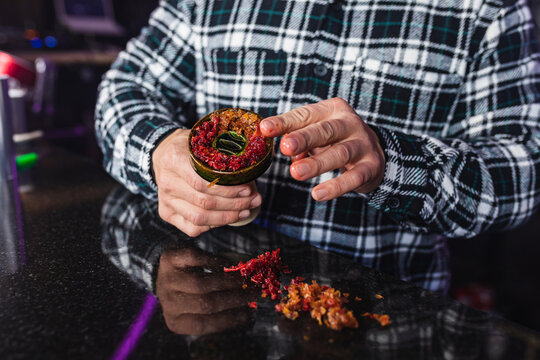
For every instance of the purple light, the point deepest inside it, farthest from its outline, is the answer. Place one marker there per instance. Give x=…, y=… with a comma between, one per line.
x=18, y=211
x=136, y=330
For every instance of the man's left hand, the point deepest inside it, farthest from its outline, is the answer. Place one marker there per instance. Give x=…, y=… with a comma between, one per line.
x=325, y=136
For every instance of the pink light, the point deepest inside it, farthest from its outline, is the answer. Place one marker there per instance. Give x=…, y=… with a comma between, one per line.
x=16, y=68
x=6, y=63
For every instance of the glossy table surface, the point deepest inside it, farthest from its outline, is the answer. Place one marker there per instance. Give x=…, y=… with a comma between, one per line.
x=85, y=277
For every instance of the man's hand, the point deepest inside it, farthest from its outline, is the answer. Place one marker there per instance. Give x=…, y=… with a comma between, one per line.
x=335, y=138
x=196, y=296
x=184, y=197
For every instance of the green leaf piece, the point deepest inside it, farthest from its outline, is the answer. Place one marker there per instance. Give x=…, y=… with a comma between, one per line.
x=230, y=143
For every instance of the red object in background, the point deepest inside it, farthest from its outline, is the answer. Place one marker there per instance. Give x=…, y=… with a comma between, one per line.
x=478, y=296
x=18, y=69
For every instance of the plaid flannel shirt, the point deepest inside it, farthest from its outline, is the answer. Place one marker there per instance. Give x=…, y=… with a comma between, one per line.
x=451, y=88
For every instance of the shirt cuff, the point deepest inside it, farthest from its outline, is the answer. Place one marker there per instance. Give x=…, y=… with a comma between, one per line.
x=401, y=194
x=143, y=139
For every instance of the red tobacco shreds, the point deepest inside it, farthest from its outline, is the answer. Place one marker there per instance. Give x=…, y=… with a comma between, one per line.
x=204, y=135
x=264, y=271
x=324, y=303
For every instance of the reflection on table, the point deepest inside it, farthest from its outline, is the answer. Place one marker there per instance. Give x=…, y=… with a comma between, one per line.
x=207, y=307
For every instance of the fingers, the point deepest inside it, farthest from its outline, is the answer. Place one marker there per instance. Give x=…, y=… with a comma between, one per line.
x=177, y=303
x=301, y=156
x=303, y=116
x=335, y=157
x=211, y=202
x=317, y=135
x=194, y=221
x=203, y=217
x=360, y=178
x=193, y=281
x=178, y=182
x=197, y=325
x=170, y=216
x=245, y=196
x=191, y=257
x=208, y=201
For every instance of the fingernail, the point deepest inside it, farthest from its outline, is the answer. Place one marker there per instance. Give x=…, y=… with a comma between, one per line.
x=290, y=144
x=320, y=194
x=245, y=192
x=267, y=125
x=256, y=202
x=244, y=214
x=301, y=170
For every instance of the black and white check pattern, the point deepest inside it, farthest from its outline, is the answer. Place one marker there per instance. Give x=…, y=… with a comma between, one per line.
x=451, y=88
x=133, y=238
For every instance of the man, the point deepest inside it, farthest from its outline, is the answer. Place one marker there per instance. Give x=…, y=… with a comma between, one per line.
x=450, y=92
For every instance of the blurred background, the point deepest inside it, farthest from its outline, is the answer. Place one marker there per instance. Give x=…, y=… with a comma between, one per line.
x=59, y=49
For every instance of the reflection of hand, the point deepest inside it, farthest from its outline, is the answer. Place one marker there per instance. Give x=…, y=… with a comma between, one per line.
x=196, y=301
x=184, y=197
x=337, y=138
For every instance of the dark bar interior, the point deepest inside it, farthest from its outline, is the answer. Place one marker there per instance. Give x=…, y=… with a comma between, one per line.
x=79, y=252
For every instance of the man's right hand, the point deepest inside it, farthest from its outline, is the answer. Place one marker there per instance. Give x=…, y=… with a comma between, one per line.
x=184, y=198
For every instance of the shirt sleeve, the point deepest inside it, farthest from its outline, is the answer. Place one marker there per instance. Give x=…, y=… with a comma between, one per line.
x=146, y=94
x=133, y=237
x=484, y=174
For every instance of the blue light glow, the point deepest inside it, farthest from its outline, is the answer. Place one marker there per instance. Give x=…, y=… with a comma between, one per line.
x=36, y=43
x=51, y=42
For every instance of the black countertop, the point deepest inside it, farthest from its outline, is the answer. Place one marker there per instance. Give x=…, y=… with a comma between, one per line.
x=79, y=288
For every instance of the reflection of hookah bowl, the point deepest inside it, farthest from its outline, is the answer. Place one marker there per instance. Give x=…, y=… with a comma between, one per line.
x=231, y=143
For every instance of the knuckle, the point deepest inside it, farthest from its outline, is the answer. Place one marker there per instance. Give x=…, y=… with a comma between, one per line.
x=302, y=113
x=192, y=231
x=198, y=218
x=171, y=324
x=345, y=151
x=305, y=138
x=165, y=184
x=318, y=163
x=205, y=306
x=205, y=202
x=197, y=327
x=328, y=130
x=336, y=187
x=195, y=182
x=357, y=178
x=379, y=163
x=338, y=102
x=240, y=204
x=164, y=212
x=230, y=217
x=195, y=285
x=188, y=255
